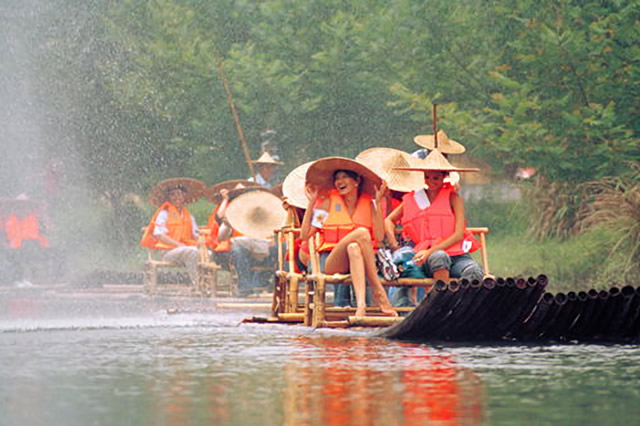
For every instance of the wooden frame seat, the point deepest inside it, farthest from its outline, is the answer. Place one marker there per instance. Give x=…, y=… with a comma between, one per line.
x=317, y=313
x=287, y=282
x=206, y=284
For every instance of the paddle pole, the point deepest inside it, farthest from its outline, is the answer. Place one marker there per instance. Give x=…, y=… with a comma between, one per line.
x=435, y=127
x=243, y=142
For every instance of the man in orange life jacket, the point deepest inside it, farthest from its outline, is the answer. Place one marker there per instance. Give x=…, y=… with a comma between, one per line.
x=172, y=228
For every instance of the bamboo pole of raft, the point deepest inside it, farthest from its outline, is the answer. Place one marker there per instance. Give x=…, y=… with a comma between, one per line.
x=435, y=127
x=243, y=142
x=373, y=321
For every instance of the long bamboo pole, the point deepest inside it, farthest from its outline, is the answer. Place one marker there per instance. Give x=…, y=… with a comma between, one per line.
x=243, y=142
x=435, y=127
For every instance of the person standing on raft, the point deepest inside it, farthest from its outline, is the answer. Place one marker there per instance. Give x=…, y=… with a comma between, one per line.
x=349, y=220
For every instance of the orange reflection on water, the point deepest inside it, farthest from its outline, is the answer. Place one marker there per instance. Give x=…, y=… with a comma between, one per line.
x=363, y=381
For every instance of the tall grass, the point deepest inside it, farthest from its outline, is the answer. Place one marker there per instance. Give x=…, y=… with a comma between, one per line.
x=577, y=263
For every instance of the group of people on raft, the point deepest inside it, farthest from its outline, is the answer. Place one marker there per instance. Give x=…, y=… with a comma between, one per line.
x=394, y=201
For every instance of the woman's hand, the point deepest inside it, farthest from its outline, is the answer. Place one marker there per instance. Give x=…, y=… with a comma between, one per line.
x=422, y=256
x=312, y=193
x=285, y=203
x=380, y=192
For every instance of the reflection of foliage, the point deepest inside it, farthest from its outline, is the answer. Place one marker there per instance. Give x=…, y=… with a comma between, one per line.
x=614, y=204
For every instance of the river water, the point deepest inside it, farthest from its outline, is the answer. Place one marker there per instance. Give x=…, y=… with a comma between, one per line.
x=128, y=359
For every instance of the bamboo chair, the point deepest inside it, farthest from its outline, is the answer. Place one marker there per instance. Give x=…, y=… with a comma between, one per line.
x=287, y=284
x=317, y=313
x=206, y=284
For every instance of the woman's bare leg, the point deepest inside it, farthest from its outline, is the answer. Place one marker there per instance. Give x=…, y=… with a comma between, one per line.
x=356, y=269
x=336, y=264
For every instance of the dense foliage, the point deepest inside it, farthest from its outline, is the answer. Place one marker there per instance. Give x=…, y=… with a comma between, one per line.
x=135, y=94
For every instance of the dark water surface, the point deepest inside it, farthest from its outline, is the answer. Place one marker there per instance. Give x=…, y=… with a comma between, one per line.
x=123, y=359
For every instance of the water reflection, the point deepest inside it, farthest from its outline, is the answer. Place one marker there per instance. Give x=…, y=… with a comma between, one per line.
x=337, y=381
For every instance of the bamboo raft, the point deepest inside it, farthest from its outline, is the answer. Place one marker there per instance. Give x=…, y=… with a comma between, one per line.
x=521, y=311
x=502, y=310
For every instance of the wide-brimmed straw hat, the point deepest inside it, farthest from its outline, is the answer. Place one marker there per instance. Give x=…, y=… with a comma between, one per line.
x=435, y=161
x=320, y=173
x=193, y=187
x=385, y=161
x=256, y=214
x=445, y=145
x=293, y=187
x=266, y=158
x=213, y=193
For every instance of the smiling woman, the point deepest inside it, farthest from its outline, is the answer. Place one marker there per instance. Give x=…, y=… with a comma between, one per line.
x=345, y=209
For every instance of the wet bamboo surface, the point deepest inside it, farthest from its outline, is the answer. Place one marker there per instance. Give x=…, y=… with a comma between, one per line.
x=521, y=310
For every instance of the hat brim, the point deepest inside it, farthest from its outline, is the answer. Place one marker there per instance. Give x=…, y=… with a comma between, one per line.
x=437, y=169
x=385, y=162
x=256, y=214
x=320, y=173
x=293, y=186
x=213, y=193
x=273, y=163
x=236, y=192
x=195, y=190
x=446, y=147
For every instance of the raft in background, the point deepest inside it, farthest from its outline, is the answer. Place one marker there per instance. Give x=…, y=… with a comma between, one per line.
x=520, y=310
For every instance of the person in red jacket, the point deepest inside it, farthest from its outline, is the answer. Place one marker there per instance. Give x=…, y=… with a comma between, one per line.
x=24, y=239
x=350, y=224
x=433, y=218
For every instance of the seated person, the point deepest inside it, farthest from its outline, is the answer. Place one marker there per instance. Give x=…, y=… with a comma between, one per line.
x=221, y=249
x=172, y=229
x=433, y=218
x=349, y=223
x=246, y=252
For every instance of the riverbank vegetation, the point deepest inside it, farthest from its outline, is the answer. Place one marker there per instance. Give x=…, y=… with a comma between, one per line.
x=132, y=93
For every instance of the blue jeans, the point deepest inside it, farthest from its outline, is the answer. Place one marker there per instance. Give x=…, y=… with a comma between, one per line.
x=249, y=280
x=342, y=294
x=463, y=266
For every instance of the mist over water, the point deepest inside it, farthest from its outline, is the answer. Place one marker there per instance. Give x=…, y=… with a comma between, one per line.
x=48, y=131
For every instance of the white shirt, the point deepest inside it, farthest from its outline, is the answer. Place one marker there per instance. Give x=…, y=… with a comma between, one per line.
x=161, y=224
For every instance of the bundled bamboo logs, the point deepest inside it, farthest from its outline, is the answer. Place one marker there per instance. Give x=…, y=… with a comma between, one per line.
x=521, y=310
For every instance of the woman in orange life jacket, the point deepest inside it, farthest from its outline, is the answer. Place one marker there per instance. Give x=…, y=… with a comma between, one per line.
x=173, y=228
x=433, y=218
x=349, y=222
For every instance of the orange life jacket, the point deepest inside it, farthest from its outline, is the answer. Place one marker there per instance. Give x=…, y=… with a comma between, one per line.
x=338, y=224
x=26, y=229
x=427, y=227
x=179, y=226
x=212, y=240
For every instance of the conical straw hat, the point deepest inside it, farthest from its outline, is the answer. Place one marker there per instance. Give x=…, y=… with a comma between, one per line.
x=384, y=162
x=435, y=161
x=293, y=186
x=193, y=187
x=213, y=193
x=256, y=214
x=320, y=173
x=445, y=145
x=266, y=158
